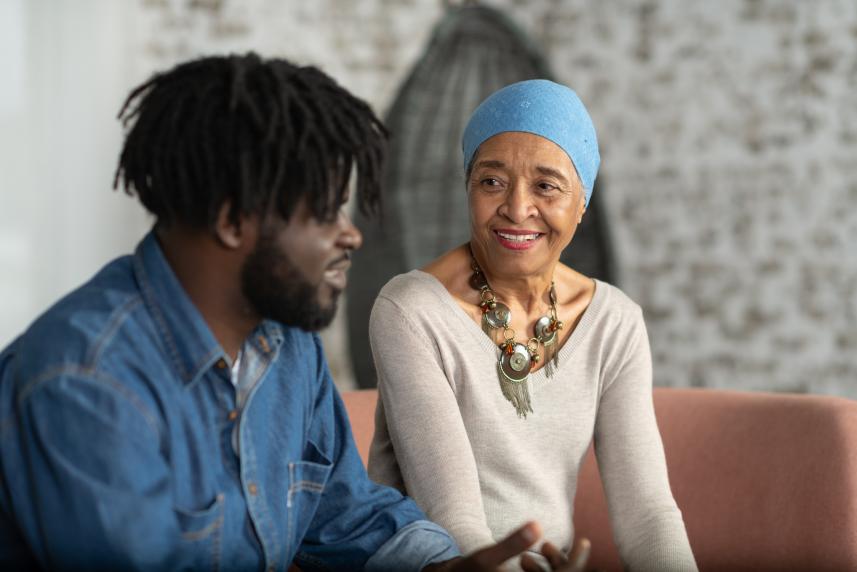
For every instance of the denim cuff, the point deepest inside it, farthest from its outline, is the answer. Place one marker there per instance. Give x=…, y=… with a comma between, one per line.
x=413, y=548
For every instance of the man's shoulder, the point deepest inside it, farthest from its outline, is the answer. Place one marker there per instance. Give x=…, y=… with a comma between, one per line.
x=74, y=333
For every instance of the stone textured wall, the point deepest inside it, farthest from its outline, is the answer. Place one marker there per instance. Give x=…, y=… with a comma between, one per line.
x=729, y=140
x=728, y=133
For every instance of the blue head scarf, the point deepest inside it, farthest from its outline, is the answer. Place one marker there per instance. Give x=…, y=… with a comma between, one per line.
x=543, y=108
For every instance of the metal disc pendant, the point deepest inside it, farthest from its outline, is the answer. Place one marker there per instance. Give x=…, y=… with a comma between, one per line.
x=478, y=281
x=543, y=331
x=516, y=366
x=499, y=316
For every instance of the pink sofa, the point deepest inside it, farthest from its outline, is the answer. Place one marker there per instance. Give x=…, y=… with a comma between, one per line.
x=765, y=481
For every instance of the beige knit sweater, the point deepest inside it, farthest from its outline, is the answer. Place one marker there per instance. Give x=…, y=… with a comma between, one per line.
x=446, y=436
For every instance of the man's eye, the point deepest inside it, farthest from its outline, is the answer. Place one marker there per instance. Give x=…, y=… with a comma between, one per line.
x=490, y=182
x=547, y=187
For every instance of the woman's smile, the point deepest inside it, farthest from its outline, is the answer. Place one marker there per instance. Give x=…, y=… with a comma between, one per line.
x=515, y=239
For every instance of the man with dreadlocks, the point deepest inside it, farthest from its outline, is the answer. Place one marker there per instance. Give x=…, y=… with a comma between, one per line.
x=176, y=411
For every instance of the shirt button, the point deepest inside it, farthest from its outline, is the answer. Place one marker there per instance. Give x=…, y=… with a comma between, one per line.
x=221, y=364
x=252, y=489
x=264, y=343
x=233, y=415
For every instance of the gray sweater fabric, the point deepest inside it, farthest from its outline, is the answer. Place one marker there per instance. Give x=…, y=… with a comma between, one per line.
x=446, y=436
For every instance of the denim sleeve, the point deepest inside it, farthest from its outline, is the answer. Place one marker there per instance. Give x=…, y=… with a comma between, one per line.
x=89, y=486
x=420, y=537
x=359, y=523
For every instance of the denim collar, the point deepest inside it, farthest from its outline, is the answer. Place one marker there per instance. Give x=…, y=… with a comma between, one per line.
x=188, y=340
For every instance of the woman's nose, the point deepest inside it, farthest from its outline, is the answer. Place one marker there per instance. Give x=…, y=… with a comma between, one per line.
x=518, y=205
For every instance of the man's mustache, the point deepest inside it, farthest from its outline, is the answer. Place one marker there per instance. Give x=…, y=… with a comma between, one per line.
x=346, y=257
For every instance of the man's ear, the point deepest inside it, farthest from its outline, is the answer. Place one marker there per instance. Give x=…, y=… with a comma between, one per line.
x=228, y=232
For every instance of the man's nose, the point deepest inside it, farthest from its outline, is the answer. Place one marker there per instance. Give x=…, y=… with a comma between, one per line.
x=350, y=238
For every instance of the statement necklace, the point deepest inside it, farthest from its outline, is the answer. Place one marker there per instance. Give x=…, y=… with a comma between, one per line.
x=516, y=358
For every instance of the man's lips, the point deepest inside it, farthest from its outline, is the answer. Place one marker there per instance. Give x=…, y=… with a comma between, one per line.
x=517, y=239
x=336, y=273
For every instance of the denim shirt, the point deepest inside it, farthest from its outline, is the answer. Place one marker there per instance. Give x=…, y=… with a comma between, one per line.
x=117, y=415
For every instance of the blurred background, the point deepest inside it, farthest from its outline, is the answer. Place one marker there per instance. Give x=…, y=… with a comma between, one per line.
x=728, y=131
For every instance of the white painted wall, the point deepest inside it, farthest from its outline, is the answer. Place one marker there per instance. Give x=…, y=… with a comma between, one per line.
x=65, y=65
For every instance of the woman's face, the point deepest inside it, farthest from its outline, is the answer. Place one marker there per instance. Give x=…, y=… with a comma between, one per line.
x=525, y=203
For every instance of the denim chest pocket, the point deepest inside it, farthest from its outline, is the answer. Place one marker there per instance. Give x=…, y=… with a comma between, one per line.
x=201, y=532
x=307, y=479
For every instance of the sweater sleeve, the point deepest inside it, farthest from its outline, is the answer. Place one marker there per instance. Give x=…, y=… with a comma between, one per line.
x=646, y=521
x=420, y=438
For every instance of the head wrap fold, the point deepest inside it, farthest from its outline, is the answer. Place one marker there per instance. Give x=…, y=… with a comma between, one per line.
x=543, y=108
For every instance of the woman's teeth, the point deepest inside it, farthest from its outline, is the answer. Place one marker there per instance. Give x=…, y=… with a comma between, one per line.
x=518, y=237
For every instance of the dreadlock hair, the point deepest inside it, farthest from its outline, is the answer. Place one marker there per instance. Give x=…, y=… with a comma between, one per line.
x=259, y=133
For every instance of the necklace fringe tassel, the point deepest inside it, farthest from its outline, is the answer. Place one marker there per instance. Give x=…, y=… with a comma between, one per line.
x=551, y=359
x=517, y=393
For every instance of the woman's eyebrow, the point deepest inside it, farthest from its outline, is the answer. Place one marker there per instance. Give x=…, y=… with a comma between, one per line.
x=489, y=163
x=551, y=172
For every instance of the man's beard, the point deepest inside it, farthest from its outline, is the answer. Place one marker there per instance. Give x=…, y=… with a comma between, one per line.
x=279, y=291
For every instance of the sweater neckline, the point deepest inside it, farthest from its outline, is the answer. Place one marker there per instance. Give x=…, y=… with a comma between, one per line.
x=567, y=349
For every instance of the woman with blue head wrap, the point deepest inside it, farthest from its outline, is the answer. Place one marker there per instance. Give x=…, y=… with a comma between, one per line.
x=543, y=108
x=498, y=365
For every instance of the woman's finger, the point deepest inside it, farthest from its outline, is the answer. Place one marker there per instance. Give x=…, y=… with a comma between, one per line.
x=579, y=556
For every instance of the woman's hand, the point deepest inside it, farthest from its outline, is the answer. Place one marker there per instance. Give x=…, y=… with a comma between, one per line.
x=489, y=559
x=574, y=561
